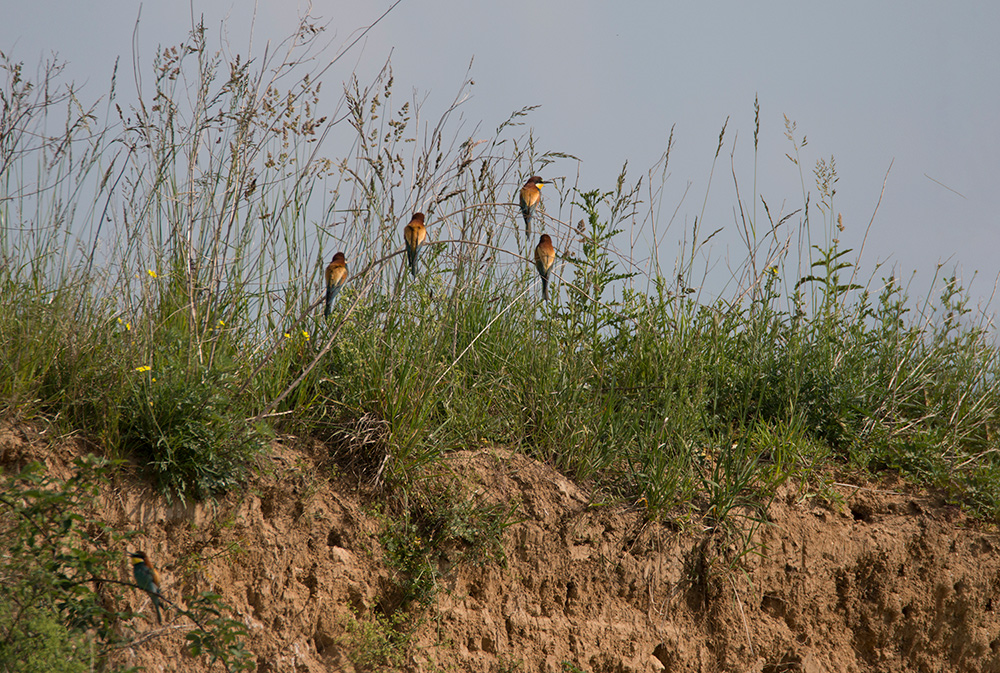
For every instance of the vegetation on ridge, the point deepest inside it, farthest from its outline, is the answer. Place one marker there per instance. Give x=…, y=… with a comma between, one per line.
x=162, y=268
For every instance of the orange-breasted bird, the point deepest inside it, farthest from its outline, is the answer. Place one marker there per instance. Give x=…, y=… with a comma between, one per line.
x=147, y=578
x=336, y=275
x=530, y=196
x=545, y=257
x=414, y=234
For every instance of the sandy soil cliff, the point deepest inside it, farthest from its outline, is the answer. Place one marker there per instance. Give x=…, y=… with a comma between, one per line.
x=891, y=580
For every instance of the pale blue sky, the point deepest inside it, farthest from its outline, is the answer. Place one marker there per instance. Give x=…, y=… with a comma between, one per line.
x=915, y=83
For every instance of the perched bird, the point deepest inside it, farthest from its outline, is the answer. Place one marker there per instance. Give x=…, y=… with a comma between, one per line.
x=530, y=196
x=336, y=274
x=414, y=234
x=545, y=257
x=147, y=578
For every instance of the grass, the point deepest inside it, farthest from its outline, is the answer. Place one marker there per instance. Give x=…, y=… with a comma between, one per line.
x=160, y=276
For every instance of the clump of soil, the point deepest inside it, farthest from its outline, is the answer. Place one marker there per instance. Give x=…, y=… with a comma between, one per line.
x=890, y=580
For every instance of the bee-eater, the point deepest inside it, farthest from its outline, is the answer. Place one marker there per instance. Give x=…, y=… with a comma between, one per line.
x=414, y=234
x=530, y=196
x=336, y=274
x=545, y=257
x=147, y=578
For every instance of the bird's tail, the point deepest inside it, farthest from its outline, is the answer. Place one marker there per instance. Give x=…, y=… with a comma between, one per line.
x=156, y=604
x=414, y=258
x=331, y=295
x=545, y=288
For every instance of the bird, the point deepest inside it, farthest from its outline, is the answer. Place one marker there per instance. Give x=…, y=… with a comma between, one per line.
x=336, y=274
x=414, y=234
x=530, y=196
x=147, y=578
x=545, y=257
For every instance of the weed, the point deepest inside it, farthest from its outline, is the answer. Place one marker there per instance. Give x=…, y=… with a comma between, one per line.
x=59, y=591
x=438, y=529
x=377, y=642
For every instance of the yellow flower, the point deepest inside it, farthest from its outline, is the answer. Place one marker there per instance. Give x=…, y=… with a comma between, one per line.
x=151, y=273
x=305, y=334
x=144, y=368
x=287, y=335
x=222, y=323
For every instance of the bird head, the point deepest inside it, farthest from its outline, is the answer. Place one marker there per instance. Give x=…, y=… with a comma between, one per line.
x=139, y=557
x=418, y=217
x=545, y=239
x=537, y=181
x=339, y=257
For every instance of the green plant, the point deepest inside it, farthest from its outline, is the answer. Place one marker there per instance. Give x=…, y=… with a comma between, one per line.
x=377, y=642
x=180, y=422
x=437, y=529
x=59, y=595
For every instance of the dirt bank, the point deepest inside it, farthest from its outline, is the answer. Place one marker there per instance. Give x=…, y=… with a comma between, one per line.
x=891, y=580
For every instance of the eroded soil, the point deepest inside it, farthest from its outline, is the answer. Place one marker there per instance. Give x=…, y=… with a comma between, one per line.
x=888, y=580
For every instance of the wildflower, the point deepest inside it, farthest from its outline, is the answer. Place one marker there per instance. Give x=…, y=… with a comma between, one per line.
x=144, y=368
x=222, y=323
x=287, y=335
x=305, y=334
x=152, y=274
